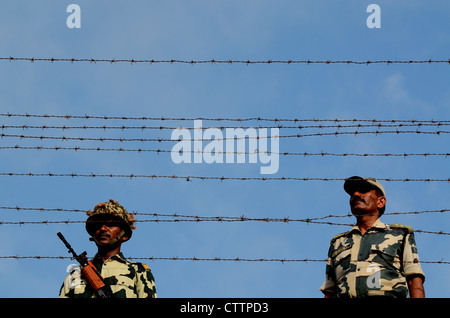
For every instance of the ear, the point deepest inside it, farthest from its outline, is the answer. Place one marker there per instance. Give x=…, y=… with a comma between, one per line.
x=381, y=202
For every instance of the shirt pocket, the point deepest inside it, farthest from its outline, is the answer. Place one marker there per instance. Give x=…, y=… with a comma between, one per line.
x=387, y=258
x=392, y=280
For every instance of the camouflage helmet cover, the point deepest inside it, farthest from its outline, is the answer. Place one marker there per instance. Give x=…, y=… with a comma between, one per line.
x=111, y=209
x=351, y=184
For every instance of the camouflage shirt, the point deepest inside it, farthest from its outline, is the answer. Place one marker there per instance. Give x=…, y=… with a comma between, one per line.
x=127, y=279
x=376, y=263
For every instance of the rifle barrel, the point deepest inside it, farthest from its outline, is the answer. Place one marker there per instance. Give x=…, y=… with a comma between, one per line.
x=67, y=244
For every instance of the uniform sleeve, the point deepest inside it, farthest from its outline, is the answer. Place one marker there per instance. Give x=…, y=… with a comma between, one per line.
x=329, y=285
x=65, y=290
x=411, y=263
x=145, y=285
x=74, y=286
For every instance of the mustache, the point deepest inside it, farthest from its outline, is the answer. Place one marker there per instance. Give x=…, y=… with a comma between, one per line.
x=356, y=199
x=103, y=233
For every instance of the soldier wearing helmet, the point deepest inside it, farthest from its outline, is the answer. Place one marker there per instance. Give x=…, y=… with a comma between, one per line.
x=373, y=258
x=110, y=225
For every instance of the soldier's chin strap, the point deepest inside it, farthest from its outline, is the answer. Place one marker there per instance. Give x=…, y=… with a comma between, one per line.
x=112, y=242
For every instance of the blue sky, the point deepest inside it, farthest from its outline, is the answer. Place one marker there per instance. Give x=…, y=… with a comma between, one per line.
x=220, y=30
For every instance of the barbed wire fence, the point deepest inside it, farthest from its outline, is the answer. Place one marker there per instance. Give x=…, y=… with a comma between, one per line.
x=316, y=123
x=339, y=126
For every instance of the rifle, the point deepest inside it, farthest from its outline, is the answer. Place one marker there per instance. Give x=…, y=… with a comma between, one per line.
x=89, y=271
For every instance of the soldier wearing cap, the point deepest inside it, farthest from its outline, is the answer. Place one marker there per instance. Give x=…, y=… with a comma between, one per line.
x=110, y=225
x=372, y=259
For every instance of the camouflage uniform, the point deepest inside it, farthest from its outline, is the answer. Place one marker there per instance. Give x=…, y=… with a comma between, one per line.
x=126, y=279
x=374, y=264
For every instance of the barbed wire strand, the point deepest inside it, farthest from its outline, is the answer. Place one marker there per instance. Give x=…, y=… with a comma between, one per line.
x=190, y=178
x=214, y=61
x=160, y=139
x=218, y=152
x=222, y=259
x=279, y=126
x=242, y=217
x=336, y=120
x=197, y=220
x=265, y=220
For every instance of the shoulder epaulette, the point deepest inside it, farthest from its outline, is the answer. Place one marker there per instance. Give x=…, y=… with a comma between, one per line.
x=141, y=267
x=338, y=236
x=403, y=227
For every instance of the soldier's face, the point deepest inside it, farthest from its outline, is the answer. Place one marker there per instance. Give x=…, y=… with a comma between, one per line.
x=366, y=202
x=106, y=232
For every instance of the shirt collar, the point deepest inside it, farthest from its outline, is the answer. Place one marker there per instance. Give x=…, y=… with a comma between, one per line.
x=119, y=257
x=378, y=225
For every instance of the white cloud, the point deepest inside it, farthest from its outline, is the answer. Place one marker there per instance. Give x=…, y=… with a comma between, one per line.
x=398, y=95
